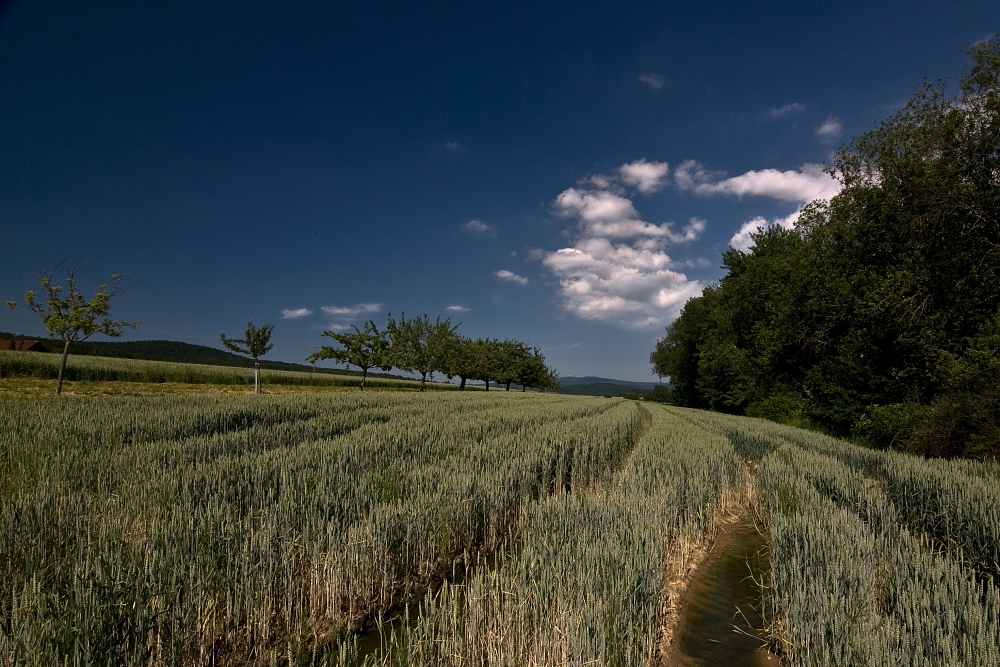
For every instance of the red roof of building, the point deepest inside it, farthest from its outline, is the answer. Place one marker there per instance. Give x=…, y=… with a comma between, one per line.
x=25, y=345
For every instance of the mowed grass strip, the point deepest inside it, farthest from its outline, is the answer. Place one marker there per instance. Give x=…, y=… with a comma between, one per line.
x=40, y=365
x=42, y=388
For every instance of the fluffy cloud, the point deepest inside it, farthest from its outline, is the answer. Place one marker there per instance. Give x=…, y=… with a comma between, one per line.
x=594, y=205
x=691, y=174
x=294, y=313
x=607, y=214
x=349, y=312
x=599, y=181
x=617, y=268
x=477, y=227
x=809, y=183
x=741, y=240
x=504, y=274
x=647, y=177
x=453, y=147
x=690, y=232
x=457, y=309
x=632, y=285
x=831, y=129
x=781, y=112
x=653, y=80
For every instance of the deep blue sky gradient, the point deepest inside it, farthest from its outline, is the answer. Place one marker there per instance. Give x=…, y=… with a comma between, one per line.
x=242, y=159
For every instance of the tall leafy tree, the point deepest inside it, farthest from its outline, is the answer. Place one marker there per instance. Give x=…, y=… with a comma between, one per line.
x=847, y=320
x=460, y=360
x=420, y=345
x=71, y=317
x=486, y=353
x=366, y=349
x=550, y=380
x=512, y=358
x=678, y=354
x=255, y=344
x=534, y=373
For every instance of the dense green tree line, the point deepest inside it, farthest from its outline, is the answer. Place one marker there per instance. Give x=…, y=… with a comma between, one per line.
x=419, y=345
x=878, y=314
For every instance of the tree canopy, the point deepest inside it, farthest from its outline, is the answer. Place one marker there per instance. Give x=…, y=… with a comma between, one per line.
x=417, y=344
x=875, y=314
x=70, y=317
x=366, y=349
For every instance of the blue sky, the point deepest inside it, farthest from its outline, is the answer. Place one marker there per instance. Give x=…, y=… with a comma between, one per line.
x=567, y=174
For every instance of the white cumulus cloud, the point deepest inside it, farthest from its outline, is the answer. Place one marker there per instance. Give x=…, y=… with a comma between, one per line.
x=691, y=173
x=741, y=240
x=599, y=181
x=831, y=129
x=653, y=80
x=504, y=274
x=348, y=312
x=808, y=183
x=600, y=213
x=594, y=206
x=647, y=177
x=477, y=227
x=636, y=286
x=781, y=112
x=617, y=268
x=295, y=312
x=457, y=309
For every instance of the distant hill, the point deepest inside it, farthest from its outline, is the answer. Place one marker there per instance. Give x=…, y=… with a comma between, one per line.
x=571, y=381
x=188, y=353
x=596, y=389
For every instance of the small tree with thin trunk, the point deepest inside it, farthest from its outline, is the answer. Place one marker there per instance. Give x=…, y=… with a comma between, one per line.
x=364, y=349
x=71, y=317
x=255, y=343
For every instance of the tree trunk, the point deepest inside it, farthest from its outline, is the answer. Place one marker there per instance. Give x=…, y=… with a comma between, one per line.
x=423, y=379
x=487, y=384
x=256, y=376
x=508, y=387
x=62, y=366
x=523, y=387
x=462, y=386
x=364, y=376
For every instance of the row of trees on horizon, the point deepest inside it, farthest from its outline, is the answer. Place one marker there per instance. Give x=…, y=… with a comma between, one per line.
x=419, y=345
x=878, y=315
x=409, y=344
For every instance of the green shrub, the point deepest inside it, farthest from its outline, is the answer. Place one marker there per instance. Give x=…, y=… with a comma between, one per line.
x=885, y=426
x=783, y=408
